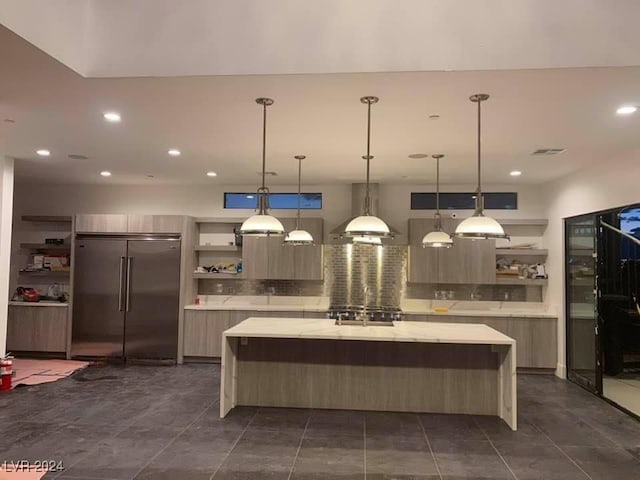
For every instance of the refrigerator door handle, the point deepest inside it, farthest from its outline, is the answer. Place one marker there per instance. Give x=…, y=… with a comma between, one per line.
x=122, y=285
x=128, y=298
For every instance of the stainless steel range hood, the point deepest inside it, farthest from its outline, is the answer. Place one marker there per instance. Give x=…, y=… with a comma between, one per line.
x=358, y=194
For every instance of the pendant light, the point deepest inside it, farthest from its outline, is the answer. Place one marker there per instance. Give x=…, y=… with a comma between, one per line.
x=367, y=225
x=479, y=225
x=299, y=236
x=263, y=223
x=437, y=238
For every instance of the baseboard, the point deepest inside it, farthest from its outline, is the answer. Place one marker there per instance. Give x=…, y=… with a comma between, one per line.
x=561, y=371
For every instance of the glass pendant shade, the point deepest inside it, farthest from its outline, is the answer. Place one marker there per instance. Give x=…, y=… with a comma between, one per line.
x=299, y=236
x=367, y=226
x=437, y=239
x=263, y=223
x=480, y=226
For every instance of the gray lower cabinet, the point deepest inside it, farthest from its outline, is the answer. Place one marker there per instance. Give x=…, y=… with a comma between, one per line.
x=467, y=262
x=536, y=338
x=203, y=328
x=203, y=332
x=37, y=329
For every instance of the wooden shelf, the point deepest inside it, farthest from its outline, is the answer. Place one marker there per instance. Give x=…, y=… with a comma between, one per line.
x=217, y=248
x=218, y=276
x=522, y=252
x=541, y=222
x=230, y=220
x=500, y=280
x=45, y=246
x=46, y=218
x=46, y=273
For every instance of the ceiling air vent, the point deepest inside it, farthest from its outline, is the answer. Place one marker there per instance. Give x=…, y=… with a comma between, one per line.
x=548, y=151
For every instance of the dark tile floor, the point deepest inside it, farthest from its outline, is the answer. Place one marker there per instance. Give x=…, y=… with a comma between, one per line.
x=162, y=423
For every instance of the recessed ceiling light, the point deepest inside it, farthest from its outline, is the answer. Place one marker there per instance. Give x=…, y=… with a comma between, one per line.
x=212, y=174
x=105, y=173
x=174, y=152
x=434, y=116
x=113, y=117
x=418, y=155
x=626, y=110
x=515, y=173
x=43, y=152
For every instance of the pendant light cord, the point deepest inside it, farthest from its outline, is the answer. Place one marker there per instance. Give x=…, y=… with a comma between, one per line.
x=264, y=143
x=438, y=186
x=367, y=198
x=299, y=192
x=479, y=147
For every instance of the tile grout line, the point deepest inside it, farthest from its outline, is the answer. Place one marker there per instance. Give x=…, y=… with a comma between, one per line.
x=562, y=451
x=494, y=447
x=433, y=455
x=244, y=430
x=295, y=459
x=364, y=438
x=115, y=434
x=173, y=439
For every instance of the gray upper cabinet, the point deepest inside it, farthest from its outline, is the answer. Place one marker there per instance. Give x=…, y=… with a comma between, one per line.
x=255, y=259
x=101, y=223
x=468, y=261
x=116, y=223
x=268, y=258
x=281, y=257
x=155, y=223
x=423, y=262
x=308, y=259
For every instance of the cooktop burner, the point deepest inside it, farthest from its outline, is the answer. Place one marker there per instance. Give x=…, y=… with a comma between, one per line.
x=374, y=313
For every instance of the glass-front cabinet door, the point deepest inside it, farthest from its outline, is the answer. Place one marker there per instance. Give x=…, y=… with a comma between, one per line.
x=581, y=314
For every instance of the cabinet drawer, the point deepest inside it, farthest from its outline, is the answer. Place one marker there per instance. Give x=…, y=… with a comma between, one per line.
x=37, y=329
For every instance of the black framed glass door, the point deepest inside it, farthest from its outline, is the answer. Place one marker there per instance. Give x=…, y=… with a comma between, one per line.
x=583, y=359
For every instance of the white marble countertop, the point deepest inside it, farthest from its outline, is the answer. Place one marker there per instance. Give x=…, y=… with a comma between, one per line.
x=262, y=303
x=477, y=308
x=421, y=332
x=38, y=304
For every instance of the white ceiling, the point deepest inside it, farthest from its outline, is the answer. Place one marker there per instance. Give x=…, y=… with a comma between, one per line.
x=125, y=38
x=217, y=125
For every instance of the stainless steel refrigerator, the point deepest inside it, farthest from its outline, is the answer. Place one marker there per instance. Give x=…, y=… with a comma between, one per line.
x=126, y=297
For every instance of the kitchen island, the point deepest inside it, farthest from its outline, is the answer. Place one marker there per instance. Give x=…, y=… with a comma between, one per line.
x=409, y=367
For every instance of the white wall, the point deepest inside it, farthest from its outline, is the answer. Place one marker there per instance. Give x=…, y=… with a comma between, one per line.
x=6, y=216
x=608, y=184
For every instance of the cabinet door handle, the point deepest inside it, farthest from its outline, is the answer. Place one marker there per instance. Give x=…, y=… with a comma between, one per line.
x=128, y=299
x=122, y=285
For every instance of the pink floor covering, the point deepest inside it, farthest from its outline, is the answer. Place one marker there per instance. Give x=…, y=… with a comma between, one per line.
x=11, y=473
x=34, y=371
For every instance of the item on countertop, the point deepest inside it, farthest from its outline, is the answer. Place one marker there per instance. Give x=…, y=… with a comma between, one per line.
x=28, y=294
x=54, y=241
x=197, y=300
x=239, y=267
x=54, y=291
